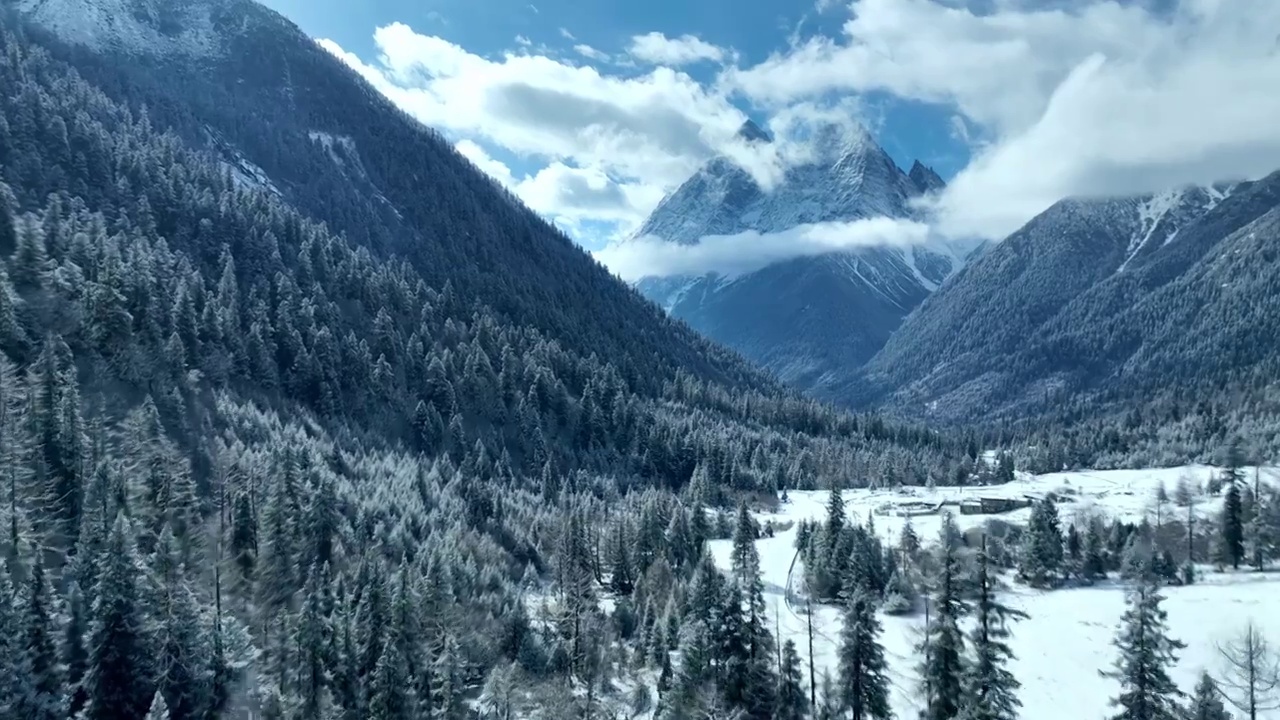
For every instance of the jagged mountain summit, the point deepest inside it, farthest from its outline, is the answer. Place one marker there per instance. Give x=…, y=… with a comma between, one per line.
x=810, y=320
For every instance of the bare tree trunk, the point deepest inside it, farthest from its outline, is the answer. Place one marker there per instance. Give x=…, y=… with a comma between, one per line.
x=1191, y=531
x=813, y=677
x=1252, y=679
x=777, y=634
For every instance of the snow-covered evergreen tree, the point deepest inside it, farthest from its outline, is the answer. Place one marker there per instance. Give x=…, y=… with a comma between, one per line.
x=1206, y=702
x=1147, y=652
x=792, y=700
x=1042, y=554
x=119, y=679
x=991, y=690
x=863, y=679
x=943, y=667
x=41, y=694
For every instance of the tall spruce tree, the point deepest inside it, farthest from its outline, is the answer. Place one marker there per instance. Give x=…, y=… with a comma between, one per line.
x=1146, y=654
x=792, y=701
x=119, y=679
x=943, y=668
x=1042, y=553
x=1206, y=702
x=991, y=690
x=863, y=678
x=42, y=695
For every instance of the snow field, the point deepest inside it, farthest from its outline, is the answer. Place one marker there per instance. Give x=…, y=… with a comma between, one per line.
x=1067, y=639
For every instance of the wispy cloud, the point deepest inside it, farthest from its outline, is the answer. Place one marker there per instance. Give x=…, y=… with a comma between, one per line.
x=659, y=49
x=732, y=255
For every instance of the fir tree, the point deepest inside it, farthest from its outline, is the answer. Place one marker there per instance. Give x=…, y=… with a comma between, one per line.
x=389, y=697
x=864, y=683
x=1042, y=550
x=42, y=695
x=990, y=688
x=792, y=701
x=11, y=683
x=75, y=656
x=118, y=680
x=943, y=669
x=159, y=709
x=181, y=650
x=1232, y=540
x=1146, y=654
x=1206, y=703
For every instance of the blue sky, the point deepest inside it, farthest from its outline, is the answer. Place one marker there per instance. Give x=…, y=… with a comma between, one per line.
x=591, y=111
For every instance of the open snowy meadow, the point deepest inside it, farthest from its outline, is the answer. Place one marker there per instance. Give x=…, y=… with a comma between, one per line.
x=1067, y=640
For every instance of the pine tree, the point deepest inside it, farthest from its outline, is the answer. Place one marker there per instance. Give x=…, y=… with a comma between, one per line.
x=278, y=573
x=744, y=558
x=118, y=681
x=447, y=688
x=43, y=696
x=159, y=709
x=1206, y=703
x=1232, y=540
x=181, y=650
x=11, y=682
x=621, y=576
x=943, y=669
x=74, y=655
x=792, y=702
x=389, y=697
x=864, y=683
x=1042, y=551
x=990, y=688
x=1259, y=534
x=1146, y=654
x=31, y=258
x=314, y=646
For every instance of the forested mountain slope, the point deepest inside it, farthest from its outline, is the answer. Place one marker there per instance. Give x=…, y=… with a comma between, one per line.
x=285, y=436
x=1144, y=318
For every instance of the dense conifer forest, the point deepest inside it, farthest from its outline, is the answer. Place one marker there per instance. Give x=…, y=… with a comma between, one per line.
x=303, y=417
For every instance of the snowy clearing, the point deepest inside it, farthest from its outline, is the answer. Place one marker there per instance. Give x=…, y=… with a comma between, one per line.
x=1067, y=640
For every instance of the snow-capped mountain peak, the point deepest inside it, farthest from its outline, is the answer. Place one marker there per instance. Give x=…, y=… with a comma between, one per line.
x=924, y=177
x=753, y=132
x=809, y=318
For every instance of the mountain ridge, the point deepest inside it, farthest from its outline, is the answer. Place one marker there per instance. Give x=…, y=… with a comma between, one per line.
x=1096, y=307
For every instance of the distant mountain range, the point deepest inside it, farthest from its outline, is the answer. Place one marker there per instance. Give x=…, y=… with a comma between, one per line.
x=810, y=320
x=1150, y=304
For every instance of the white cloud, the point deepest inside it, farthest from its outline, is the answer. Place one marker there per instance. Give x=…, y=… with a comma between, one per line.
x=643, y=134
x=570, y=195
x=659, y=49
x=1095, y=97
x=732, y=255
x=590, y=53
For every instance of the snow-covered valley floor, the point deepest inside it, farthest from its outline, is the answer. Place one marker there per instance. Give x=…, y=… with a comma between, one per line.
x=1067, y=639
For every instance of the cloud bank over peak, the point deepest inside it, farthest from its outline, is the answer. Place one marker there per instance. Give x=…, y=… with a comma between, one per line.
x=741, y=253
x=1088, y=98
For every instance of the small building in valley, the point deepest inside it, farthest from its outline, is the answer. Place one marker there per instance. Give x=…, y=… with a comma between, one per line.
x=992, y=505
